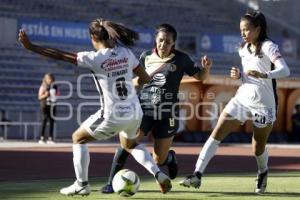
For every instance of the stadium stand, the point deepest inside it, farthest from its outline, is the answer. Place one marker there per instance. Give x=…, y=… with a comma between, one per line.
x=21, y=71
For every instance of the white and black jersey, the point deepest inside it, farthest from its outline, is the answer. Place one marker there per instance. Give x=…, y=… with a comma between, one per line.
x=256, y=98
x=113, y=71
x=120, y=111
x=257, y=91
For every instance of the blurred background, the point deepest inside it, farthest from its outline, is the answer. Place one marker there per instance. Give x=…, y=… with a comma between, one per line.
x=204, y=26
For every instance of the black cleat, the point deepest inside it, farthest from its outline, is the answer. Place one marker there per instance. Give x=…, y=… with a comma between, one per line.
x=173, y=166
x=107, y=189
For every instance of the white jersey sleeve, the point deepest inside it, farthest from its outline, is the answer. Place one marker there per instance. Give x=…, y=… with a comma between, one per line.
x=86, y=59
x=281, y=70
x=271, y=50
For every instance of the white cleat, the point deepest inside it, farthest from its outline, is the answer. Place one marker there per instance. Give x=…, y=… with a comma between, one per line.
x=164, y=182
x=191, y=181
x=76, y=189
x=261, y=182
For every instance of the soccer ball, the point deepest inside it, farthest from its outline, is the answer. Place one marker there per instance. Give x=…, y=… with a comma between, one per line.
x=126, y=183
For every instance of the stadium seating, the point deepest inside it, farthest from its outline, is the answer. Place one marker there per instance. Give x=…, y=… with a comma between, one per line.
x=21, y=72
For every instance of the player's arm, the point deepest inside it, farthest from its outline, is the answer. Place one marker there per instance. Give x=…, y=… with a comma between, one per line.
x=142, y=76
x=206, y=65
x=45, y=51
x=281, y=70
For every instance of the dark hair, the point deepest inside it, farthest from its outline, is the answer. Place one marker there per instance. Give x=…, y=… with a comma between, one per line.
x=167, y=28
x=257, y=19
x=107, y=31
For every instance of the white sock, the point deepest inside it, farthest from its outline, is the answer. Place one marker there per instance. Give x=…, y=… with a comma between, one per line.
x=208, y=151
x=81, y=161
x=142, y=156
x=262, y=161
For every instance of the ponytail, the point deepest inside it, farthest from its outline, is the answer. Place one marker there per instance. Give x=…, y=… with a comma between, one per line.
x=107, y=31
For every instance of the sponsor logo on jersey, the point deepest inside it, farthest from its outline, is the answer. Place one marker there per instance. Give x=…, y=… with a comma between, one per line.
x=172, y=68
x=113, y=64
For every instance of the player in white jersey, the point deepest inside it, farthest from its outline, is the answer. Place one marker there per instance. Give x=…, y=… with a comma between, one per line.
x=112, y=65
x=255, y=100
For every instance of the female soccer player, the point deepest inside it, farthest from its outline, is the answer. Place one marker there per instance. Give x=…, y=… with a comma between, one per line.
x=255, y=99
x=111, y=65
x=166, y=67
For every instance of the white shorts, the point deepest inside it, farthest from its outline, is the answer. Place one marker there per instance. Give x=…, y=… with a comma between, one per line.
x=101, y=128
x=260, y=117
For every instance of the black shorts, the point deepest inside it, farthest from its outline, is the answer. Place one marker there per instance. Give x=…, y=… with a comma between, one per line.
x=163, y=128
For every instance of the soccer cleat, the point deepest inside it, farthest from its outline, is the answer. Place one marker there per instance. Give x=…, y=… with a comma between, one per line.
x=261, y=182
x=107, y=189
x=173, y=166
x=164, y=182
x=192, y=181
x=76, y=189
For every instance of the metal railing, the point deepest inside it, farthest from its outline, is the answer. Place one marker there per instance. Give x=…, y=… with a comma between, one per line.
x=25, y=127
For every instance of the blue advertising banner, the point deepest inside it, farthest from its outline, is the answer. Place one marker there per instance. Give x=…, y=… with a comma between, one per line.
x=70, y=32
x=224, y=43
x=55, y=31
x=146, y=37
x=218, y=43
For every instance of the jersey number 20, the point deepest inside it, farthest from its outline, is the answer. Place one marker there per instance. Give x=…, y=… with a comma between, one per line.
x=260, y=119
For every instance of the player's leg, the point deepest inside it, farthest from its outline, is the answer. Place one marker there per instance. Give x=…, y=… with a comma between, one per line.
x=121, y=155
x=163, y=133
x=142, y=156
x=263, y=119
x=118, y=162
x=222, y=129
x=89, y=130
x=259, y=141
x=230, y=119
x=81, y=160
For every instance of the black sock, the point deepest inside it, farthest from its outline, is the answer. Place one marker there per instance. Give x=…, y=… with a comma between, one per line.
x=81, y=184
x=118, y=163
x=198, y=174
x=168, y=159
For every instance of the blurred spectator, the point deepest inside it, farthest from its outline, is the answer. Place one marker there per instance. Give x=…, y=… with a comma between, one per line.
x=47, y=96
x=296, y=124
x=289, y=45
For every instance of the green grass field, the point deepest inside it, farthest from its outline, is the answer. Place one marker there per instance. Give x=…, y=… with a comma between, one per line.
x=214, y=186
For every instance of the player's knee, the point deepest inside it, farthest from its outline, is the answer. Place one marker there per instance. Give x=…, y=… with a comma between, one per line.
x=76, y=138
x=130, y=147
